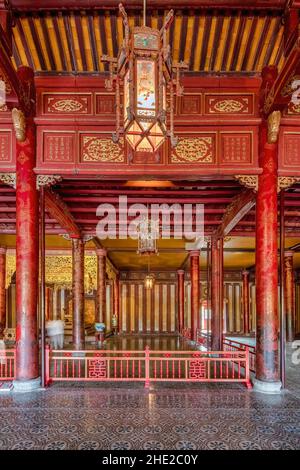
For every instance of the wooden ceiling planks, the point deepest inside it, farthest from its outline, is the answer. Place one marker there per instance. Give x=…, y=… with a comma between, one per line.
x=209, y=40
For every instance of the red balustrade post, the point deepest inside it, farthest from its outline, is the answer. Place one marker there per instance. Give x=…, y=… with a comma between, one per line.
x=289, y=295
x=180, y=294
x=2, y=288
x=246, y=301
x=267, y=328
x=78, y=293
x=195, y=292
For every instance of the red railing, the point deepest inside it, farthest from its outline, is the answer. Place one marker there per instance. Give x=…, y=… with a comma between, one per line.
x=232, y=345
x=148, y=366
x=186, y=333
x=203, y=338
x=7, y=364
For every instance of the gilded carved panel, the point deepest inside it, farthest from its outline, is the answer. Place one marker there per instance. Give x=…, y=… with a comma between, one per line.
x=95, y=148
x=194, y=150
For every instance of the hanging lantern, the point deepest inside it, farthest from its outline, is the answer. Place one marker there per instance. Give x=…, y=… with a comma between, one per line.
x=149, y=281
x=147, y=236
x=144, y=72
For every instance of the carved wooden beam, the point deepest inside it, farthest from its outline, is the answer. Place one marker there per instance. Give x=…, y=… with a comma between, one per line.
x=25, y=5
x=239, y=207
x=56, y=207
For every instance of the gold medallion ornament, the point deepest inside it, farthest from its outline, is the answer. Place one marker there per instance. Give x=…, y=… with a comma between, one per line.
x=67, y=106
x=228, y=106
x=193, y=150
x=19, y=123
x=96, y=149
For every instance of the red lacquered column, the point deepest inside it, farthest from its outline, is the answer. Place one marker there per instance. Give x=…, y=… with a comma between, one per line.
x=180, y=293
x=2, y=288
x=78, y=293
x=27, y=349
x=267, y=364
x=195, y=278
x=216, y=294
x=289, y=294
x=101, y=286
x=246, y=302
x=117, y=301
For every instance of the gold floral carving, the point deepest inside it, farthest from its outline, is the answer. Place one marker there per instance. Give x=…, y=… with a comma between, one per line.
x=10, y=269
x=58, y=270
x=285, y=182
x=66, y=106
x=47, y=180
x=294, y=109
x=8, y=88
x=8, y=178
x=96, y=149
x=250, y=181
x=228, y=106
x=19, y=123
x=193, y=150
x=288, y=89
x=273, y=126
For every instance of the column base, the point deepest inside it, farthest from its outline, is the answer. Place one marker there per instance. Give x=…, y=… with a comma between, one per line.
x=27, y=385
x=267, y=387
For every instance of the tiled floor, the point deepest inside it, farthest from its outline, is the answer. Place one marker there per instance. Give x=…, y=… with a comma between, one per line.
x=165, y=417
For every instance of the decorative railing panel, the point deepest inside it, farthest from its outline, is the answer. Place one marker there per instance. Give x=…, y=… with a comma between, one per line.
x=7, y=364
x=232, y=345
x=148, y=366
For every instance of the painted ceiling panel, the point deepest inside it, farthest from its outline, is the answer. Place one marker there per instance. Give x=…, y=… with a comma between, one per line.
x=209, y=41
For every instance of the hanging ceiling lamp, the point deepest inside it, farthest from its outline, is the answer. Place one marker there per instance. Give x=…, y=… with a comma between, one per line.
x=148, y=234
x=143, y=74
x=149, y=280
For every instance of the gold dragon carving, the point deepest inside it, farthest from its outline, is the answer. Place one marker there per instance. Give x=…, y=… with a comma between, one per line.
x=96, y=149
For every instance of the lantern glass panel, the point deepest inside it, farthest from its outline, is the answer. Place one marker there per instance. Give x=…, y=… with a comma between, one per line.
x=145, y=89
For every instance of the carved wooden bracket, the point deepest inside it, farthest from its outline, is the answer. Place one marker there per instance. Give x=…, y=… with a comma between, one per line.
x=8, y=178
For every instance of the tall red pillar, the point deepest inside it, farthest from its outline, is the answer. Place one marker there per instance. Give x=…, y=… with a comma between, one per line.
x=289, y=295
x=117, y=302
x=195, y=292
x=2, y=288
x=78, y=293
x=246, y=301
x=27, y=230
x=101, y=286
x=267, y=325
x=180, y=300
x=216, y=293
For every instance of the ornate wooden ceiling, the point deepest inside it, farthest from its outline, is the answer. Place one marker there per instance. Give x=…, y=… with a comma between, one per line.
x=210, y=40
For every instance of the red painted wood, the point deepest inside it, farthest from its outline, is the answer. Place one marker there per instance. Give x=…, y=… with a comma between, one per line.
x=101, y=286
x=216, y=293
x=289, y=304
x=267, y=366
x=195, y=292
x=2, y=288
x=180, y=293
x=27, y=360
x=246, y=301
x=78, y=293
